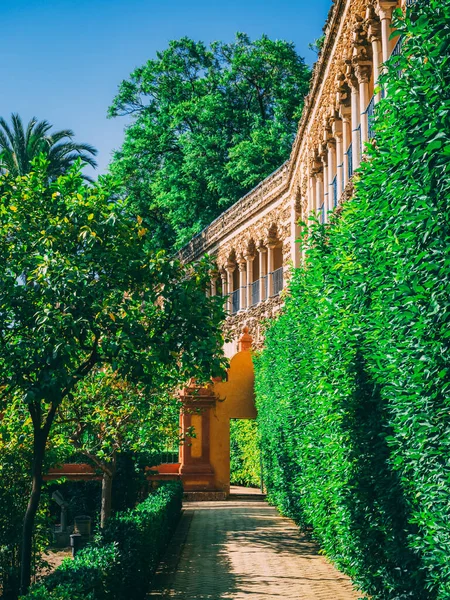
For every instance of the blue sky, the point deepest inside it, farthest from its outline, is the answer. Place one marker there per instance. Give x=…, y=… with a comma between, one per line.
x=62, y=60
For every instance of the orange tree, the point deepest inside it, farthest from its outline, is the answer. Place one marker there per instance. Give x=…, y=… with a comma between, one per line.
x=107, y=416
x=81, y=287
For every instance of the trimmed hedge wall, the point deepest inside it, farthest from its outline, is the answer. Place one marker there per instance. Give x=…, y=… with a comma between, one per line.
x=123, y=558
x=353, y=386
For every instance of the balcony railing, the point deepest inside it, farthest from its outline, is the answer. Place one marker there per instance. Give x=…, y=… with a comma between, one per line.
x=349, y=154
x=235, y=301
x=335, y=191
x=358, y=132
x=255, y=292
x=277, y=281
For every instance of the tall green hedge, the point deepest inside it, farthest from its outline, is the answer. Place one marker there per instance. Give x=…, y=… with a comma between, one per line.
x=122, y=560
x=353, y=385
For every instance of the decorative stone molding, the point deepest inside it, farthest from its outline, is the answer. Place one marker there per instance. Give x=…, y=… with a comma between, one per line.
x=261, y=196
x=255, y=319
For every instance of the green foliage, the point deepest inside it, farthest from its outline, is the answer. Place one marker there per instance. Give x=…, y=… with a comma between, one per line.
x=353, y=386
x=208, y=124
x=123, y=559
x=245, y=465
x=19, y=146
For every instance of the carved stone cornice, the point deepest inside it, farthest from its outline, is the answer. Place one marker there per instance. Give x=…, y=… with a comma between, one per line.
x=373, y=25
x=352, y=80
x=269, y=190
x=343, y=94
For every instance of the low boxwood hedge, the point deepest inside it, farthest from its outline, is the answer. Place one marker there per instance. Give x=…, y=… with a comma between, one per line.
x=123, y=558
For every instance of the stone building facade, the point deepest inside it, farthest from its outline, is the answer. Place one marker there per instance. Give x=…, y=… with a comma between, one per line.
x=254, y=241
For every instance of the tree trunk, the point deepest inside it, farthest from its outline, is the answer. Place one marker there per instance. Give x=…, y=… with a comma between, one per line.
x=40, y=439
x=106, y=498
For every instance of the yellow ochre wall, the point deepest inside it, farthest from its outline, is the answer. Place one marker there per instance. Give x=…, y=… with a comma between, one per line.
x=236, y=400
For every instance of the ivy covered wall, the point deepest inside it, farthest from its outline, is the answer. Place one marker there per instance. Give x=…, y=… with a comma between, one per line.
x=353, y=385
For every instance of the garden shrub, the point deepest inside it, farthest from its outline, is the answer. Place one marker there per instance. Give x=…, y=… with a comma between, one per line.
x=123, y=558
x=353, y=385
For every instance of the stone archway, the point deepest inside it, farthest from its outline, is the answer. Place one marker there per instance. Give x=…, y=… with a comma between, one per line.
x=205, y=460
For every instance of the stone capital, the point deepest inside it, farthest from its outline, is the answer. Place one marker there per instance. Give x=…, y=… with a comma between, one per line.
x=385, y=8
x=345, y=112
x=242, y=266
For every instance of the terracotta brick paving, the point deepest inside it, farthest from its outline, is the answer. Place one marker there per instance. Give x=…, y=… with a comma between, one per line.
x=242, y=549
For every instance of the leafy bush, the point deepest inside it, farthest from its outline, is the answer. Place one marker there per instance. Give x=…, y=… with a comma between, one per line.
x=123, y=558
x=245, y=468
x=353, y=386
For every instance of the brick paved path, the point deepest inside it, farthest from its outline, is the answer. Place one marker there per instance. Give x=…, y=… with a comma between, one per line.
x=242, y=549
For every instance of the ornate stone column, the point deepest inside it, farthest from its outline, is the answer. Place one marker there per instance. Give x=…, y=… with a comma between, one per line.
x=363, y=72
x=325, y=187
x=262, y=272
x=242, y=284
x=214, y=276
x=270, y=248
x=337, y=131
x=385, y=9
x=331, y=147
x=249, y=259
x=319, y=189
x=230, y=267
x=374, y=35
x=345, y=113
x=312, y=194
x=355, y=115
x=224, y=277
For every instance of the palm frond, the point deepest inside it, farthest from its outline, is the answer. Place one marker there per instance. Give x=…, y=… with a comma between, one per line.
x=19, y=146
x=7, y=130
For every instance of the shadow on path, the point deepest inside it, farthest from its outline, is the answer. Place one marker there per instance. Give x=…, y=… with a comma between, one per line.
x=243, y=549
